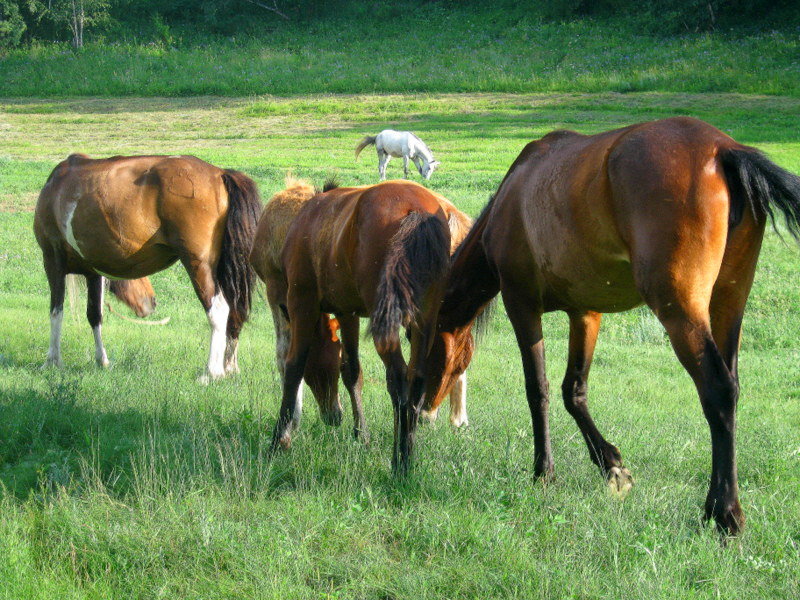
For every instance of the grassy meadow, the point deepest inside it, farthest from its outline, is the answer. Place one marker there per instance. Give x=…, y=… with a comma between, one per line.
x=136, y=482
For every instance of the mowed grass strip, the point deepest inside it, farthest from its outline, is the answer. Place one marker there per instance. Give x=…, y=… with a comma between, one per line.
x=137, y=482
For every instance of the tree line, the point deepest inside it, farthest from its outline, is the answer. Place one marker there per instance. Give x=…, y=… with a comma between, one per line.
x=25, y=21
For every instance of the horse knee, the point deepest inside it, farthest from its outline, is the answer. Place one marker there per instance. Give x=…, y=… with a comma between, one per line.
x=574, y=392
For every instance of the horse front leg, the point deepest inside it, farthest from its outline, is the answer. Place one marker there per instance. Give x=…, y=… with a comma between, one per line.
x=526, y=319
x=583, y=332
x=303, y=328
x=405, y=166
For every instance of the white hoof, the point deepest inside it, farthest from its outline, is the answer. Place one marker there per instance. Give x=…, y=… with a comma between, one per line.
x=427, y=416
x=620, y=482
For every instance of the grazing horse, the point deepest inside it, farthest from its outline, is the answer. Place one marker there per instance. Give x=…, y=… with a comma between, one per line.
x=324, y=360
x=128, y=217
x=403, y=144
x=669, y=213
x=379, y=251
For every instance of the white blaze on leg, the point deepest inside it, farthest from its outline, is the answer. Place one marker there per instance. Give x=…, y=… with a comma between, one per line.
x=218, y=319
x=458, y=402
x=231, y=356
x=298, y=408
x=99, y=351
x=54, y=352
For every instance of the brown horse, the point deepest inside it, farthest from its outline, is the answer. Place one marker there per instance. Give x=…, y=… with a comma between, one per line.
x=670, y=213
x=128, y=217
x=324, y=359
x=379, y=251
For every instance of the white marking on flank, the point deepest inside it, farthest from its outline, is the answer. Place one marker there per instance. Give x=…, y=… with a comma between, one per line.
x=70, y=235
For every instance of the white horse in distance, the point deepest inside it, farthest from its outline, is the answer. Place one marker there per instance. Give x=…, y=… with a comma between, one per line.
x=390, y=143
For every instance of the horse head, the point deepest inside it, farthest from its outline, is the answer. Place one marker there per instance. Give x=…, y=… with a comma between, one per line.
x=137, y=294
x=322, y=370
x=428, y=168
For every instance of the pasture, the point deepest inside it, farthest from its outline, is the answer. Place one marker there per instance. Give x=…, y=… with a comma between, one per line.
x=137, y=482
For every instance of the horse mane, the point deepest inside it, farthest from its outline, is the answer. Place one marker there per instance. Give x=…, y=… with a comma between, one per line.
x=483, y=281
x=331, y=183
x=295, y=190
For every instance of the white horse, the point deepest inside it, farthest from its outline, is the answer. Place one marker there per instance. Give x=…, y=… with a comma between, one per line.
x=390, y=143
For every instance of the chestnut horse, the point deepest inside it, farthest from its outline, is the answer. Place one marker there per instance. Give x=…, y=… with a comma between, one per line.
x=324, y=360
x=128, y=217
x=380, y=251
x=669, y=213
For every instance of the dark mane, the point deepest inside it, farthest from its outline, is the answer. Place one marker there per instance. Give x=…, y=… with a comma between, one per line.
x=473, y=286
x=331, y=183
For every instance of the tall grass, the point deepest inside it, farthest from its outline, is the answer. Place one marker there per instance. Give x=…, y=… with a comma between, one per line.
x=447, y=51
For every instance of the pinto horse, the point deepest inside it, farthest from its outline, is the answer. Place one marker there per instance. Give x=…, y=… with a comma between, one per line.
x=669, y=213
x=379, y=251
x=128, y=217
x=324, y=360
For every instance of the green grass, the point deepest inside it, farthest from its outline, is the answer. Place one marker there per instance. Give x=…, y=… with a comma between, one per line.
x=430, y=50
x=138, y=483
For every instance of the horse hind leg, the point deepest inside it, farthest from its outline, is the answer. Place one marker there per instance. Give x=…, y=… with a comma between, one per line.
x=217, y=311
x=383, y=160
x=282, y=342
x=54, y=266
x=583, y=331
x=94, y=314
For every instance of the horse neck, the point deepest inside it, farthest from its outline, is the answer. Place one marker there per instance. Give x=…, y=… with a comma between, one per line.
x=473, y=283
x=423, y=151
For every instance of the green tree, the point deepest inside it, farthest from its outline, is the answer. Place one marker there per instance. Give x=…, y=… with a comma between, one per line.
x=76, y=15
x=12, y=25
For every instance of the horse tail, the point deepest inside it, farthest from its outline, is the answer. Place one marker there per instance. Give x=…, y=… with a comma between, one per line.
x=755, y=182
x=367, y=141
x=418, y=256
x=235, y=275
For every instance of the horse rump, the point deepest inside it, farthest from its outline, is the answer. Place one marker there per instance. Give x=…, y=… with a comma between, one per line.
x=418, y=256
x=756, y=182
x=235, y=275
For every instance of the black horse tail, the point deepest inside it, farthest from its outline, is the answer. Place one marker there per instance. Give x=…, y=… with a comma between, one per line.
x=235, y=276
x=366, y=141
x=756, y=182
x=418, y=256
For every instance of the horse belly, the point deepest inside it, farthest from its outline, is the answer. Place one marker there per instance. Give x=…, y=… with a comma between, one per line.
x=122, y=246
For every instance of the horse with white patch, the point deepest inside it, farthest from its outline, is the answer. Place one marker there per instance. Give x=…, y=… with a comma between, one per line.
x=129, y=217
x=400, y=144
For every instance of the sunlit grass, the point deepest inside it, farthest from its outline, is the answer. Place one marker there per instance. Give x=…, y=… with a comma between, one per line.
x=137, y=482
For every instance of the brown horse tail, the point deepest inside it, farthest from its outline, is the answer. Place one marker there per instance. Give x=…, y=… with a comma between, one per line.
x=235, y=276
x=756, y=182
x=418, y=256
x=368, y=140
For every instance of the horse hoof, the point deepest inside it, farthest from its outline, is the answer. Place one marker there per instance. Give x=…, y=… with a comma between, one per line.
x=428, y=416
x=620, y=482
x=459, y=423
x=208, y=378
x=730, y=521
x=103, y=364
x=51, y=363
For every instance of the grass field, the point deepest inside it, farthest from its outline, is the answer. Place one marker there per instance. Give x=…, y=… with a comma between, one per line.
x=415, y=51
x=138, y=483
